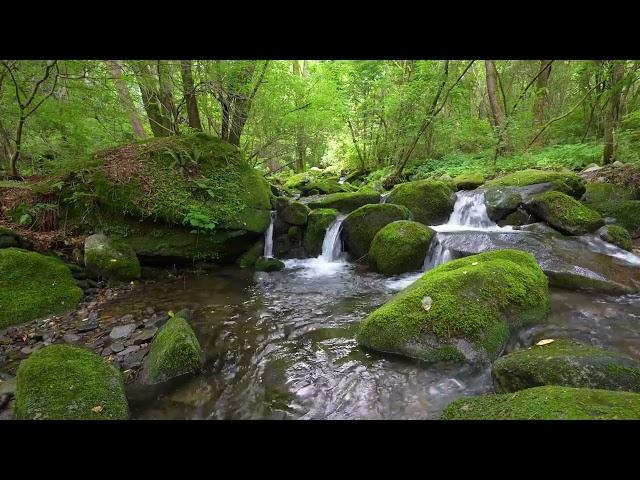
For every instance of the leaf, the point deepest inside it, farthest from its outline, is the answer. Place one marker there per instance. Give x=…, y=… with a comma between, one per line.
x=474, y=263
x=546, y=341
x=97, y=409
x=427, y=303
x=171, y=314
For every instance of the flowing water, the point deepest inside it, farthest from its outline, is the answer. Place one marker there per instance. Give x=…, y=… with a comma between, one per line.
x=282, y=345
x=268, y=237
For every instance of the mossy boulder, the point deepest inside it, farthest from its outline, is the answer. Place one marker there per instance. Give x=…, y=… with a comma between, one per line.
x=567, y=182
x=626, y=214
x=462, y=310
x=468, y=181
x=517, y=218
x=248, y=259
x=501, y=201
x=291, y=212
x=347, y=202
x=33, y=286
x=195, y=181
x=617, y=235
x=264, y=264
x=400, y=247
x=298, y=180
x=294, y=234
x=362, y=224
x=564, y=213
x=599, y=192
x=9, y=238
x=567, y=363
x=548, y=403
x=175, y=351
x=318, y=222
x=111, y=259
x=430, y=201
x=323, y=186
x=62, y=382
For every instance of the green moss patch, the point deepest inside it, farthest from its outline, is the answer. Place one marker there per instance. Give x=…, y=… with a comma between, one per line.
x=293, y=213
x=616, y=235
x=318, y=222
x=248, y=259
x=468, y=181
x=626, y=214
x=430, y=201
x=468, y=304
x=61, y=382
x=111, y=259
x=564, y=213
x=400, y=247
x=599, y=192
x=347, y=201
x=264, y=264
x=323, y=186
x=33, y=286
x=548, y=403
x=569, y=183
x=362, y=224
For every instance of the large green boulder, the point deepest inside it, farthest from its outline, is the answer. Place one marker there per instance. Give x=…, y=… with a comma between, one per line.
x=9, y=238
x=362, y=224
x=400, y=247
x=174, y=351
x=110, y=259
x=346, y=202
x=568, y=363
x=567, y=182
x=33, y=286
x=291, y=212
x=462, y=310
x=324, y=186
x=264, y=264
x=617, y=235
x=468, y=181
x=626, y=213
x=298, y=180
x=62, y=382
x=548, y=403
x=249, y=258
x=430, y=201
x=564, y=213
x=318, y=222
x=599, y=192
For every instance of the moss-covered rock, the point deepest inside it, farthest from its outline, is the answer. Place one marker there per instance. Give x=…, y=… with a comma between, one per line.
x=293, y=213
x=567, y=363
x=564, y=213
x=33, y=286
x=616, y=235
x=362, y=224
x=567, y=182
x=9, y=238
x=517, y=218
x=400, y=247
x=430, y=201
x=175, y=351
x=248, y=259
x=324, y=186
x=318, y=222
x=298, y=180
x=62, y=382
x=110, y=259
x=468, y=181
x=264, y=264
x=294, y=234
x=599, y=192
x=626, y=214
x=501, y=201
x=548, y=403
x=462, y=310
x=347, y=201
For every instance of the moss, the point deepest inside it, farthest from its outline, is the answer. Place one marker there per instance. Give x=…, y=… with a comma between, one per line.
x=400, y=247
x=468, y=181
x=599, y=192
x=564, y=213
x=192, y=180
x=323, y=186
x=569, y=183
x=318, y=222
x=616, y=235
x=174, y=351
x=568, y=363
x=347, y=201
x=33, y=286
x=430, y=201
x=626, y=214
x=111, y=259
x=519, y=217
x=548, y=403
x=362, y=224
x=248, y=259
x=294, y=234
x=61, y=382
x=294, y=182
x=470, y=300
x=264, y=264
x=9, y=238
x=293, y=213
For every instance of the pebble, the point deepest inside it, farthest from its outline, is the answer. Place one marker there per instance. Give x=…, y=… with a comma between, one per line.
x=145, y=335
x=128, y=350
x=30, y=350
x=117, y=347
x=122, y=331
x=88, y=325
x=134, y=359
x=149, y=311
x=70, y=337
x=126, y=318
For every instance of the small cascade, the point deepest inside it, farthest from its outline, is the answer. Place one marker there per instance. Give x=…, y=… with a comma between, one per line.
x=437, y=255
x=268, y=237
x=384, y=196
x=342, y=179
x=470, y=210
x=332, y=245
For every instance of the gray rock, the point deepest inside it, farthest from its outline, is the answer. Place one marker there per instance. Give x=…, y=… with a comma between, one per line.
x=144, y=336
x=122, y=331
x=134, y=359
x=8, y=386
x=618, y=163
x=128, y=350
x=592, y=168
x=87, y=325
x=70, y=337
x=117, y=347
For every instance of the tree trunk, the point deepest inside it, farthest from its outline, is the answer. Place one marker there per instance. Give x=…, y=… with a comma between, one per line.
x=150, y=99
x=542, y=94
x=165, y=96
x=15, y=156
x=612, y=115
x=300, y=146
x=125, y=98
x=496, y=111
x=189, y=92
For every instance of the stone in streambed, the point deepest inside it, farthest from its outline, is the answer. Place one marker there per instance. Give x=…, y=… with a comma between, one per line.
x=567, y=182
x=617, y=235
x=564, y=213
x=111, y=259
x=291, y=212
x=144, y=336
x=122, y=331
x=264, y=264
x=400, y=247
x=346, y=202
x=361, y=225
x=319, y=220
x=429, y=201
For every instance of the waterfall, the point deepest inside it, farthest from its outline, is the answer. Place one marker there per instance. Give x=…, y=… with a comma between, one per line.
x=437, y=255
x=332, y=245
x=268, y=237
x=470, y=210
x=342, y=179
x=383, y=197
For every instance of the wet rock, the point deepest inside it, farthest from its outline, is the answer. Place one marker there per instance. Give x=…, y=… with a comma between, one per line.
x=7, y=385
x=30, y=350
x=617, y=235
x=564, y=213
x=430, y=201
x=149, y=311
x=128, y=318
x=117, y=347
x=134, y=359
x=144, y=336
x=264, y=264
x=122, y=331
x=128, y=350
x=400, y=247
x=71, y=338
